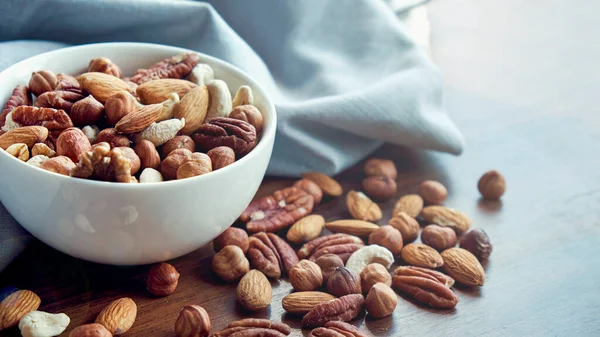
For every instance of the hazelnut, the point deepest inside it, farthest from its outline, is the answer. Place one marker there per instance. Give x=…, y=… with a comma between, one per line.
x=381, y=167
x=305, y=276
x=90, y=330
x=478, y=243
x=147, y=153
x=19, y=151
x=111, y=136
x=343, y=281
x=433, y=192
x=491, y=185
x=72, y=143
x=133, y=158
x=199, y=164
x=178, y=142
x=374, y=273
x=311, y=188
x=438, y=237
x=232, y=236
x=381, y=301
x=248, y=113
x=42, y=81
x=176, y=158
x=379, y=187
x=118, y=106
x=328, y=263
x=388, y=237
x=104, y=65
x=408, y=226
x=193, y=321
x=86, y=111
x=221, y=156
x=162, y=279
x=230, y=264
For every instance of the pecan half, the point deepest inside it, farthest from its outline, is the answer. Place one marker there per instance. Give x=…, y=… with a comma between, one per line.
x=19, y=96
x=52, y=119
x=342, y=309
x=426, y=273
x=281, y=210
x=342, y=245
x=178, y=66
x=257, y=332
x=271, y=255
x=427, y=291
x=345, y=329
x=262, y=323
x=68, y=83
x=234, y=133
x=58, y=100
x=324, y=332
x=252, y=326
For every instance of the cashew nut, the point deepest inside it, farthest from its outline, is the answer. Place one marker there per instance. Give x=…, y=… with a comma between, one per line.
x=37, y=160
x=367, y=255
x=243, y=96
x=160, y=133
x=150, y=175
x=168, y=107
x=9, y=124
x=43, y=324
x=201, y=74
x=91, y=132
x=219, y=100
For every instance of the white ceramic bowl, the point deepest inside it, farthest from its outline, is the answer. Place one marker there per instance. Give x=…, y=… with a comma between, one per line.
x=128, y=224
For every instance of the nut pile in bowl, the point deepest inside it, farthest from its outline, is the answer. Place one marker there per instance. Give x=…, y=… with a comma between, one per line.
x=173, y=120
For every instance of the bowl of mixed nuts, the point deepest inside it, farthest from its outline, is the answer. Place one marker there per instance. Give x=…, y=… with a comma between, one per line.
x=130, y=153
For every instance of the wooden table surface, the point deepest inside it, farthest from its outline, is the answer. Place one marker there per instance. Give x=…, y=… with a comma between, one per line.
x=522, y=82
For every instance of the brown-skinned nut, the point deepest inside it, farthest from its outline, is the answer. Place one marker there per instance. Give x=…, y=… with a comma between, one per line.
x=178, y=142
x=381, y=300
x=381, y=167
x=133, y=158
x=232, y=236
x=478, y=243
x=86, y=111
x=72, y=143
x=148, y=154
x=104, y=65
x=306, y=276
x=171, y=163
x=59, y=164
x=111, y=137
x=343, y=281
x=311, y=188
x=162, y=279
x=221, y=156
x=118, y=106
x=374, y=273
x=379, y=187
x=230, y=264
x=433, y=192
x=388, y=237
x=193, y=321
x=42, y=81
x=438, y=237
x=328, y=263
x=408, y=226
x=250, y=114
x=197, y=165
x=492, y=185
x=90, y=330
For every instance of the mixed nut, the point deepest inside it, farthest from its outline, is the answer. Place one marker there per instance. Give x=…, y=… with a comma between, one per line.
x=333, y=276
x=173, y=120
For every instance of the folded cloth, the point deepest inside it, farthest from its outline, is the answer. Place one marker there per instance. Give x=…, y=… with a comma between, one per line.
x=344, y=75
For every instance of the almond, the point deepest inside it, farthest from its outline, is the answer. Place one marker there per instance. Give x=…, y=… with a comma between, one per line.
x=157, y=91
x=362, y=208
x=325, y=182
x=26, y=134
x=463, y=267
x=193, y=107
x=140, y=119
x=352, y=227
x=306, y=229
x=447, y=217
x=411, y=204
x=254, y=291
x=101, y=85
x=304, y=301
x=421, y=255
x=17, y=305
x=118, y=316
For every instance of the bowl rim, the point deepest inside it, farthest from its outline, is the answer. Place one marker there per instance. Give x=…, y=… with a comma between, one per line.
x=268, y=130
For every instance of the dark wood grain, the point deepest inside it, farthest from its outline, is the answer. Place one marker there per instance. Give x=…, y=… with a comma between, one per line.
x=521, y=82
